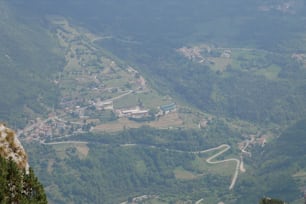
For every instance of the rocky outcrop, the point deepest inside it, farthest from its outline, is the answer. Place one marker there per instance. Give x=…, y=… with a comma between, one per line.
x=11, y=148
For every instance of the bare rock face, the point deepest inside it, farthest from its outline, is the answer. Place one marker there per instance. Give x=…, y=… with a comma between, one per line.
x=11, y=148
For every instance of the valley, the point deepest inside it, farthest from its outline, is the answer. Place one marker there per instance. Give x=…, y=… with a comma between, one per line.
x=101, y=93
x=158, y=102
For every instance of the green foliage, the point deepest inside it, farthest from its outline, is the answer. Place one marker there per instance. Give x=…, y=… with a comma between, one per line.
x=272, y=173
x=246, y=90
x=270, y=201
x=19, y=187
x=249, y=89
x=115, y=169
x=28, y=61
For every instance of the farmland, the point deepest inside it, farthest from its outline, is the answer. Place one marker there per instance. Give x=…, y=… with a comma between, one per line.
x=101, y=93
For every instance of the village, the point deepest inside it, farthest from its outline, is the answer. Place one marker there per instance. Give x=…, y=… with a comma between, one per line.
x=102, y=94
x=205, y=54
x=95, y=90
x=55, y=127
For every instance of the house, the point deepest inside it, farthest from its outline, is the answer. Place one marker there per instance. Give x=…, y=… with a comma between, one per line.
x=105, y=105
x=168, y=108
x=226, y=54
x=134, y=113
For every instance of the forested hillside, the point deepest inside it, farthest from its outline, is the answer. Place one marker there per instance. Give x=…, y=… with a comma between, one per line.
x=28, y=60
x=18, y=183
x=281, y=165
x=99, y=76
x=263, y=79
x=17, y=186
x=144, y=161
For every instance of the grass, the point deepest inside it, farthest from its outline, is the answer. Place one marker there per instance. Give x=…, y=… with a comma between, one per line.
x=169, y=121
x=224, y=169
x=50, y=166
x=190, y=121
x=63, y=150
x=299, y=201
x=117, y=126
x=183, y=174
x=152, y=99
x=126, y=101
x=220, y=64
x=78, y=81
x=270, y=72
x=60, y=150
x=300, y=178
x=83, y=150
x=140, y=167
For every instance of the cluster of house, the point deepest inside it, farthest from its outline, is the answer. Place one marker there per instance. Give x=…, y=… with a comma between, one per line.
x=301, y=57
x=131, y=112
x=38, y=131
x=104, y=105
x=203, y=54
x=51, y=127
x=137, y=112
x=40, y=128
x=254, y=140
x=227, y=53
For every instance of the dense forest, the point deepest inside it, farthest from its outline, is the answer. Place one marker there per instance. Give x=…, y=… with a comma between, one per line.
x=17, y=186
x=271, y=201
x=148, y=161
x=113, y=170
x=28, y=59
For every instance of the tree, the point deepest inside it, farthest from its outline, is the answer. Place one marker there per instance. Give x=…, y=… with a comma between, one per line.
x=19, y=186
x=271, y=201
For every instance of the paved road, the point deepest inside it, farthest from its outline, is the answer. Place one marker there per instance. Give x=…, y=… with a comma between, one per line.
x=224, y=148
x=199, y=201
x=64, y=142
x=120, y=96
x=243, y=150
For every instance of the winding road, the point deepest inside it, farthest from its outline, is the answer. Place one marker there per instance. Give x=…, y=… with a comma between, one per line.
x=224, y=148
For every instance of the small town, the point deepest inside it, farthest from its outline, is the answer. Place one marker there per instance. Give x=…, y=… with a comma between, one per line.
x=113, y=92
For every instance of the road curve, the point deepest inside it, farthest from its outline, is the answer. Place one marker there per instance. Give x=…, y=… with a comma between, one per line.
x=223, y=147
x=226, y=148
x=199, y=201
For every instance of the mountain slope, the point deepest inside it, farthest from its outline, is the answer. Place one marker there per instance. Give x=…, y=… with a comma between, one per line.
x=279, y=167
x=254, y=70
x=18, y=182
x=28, y=59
